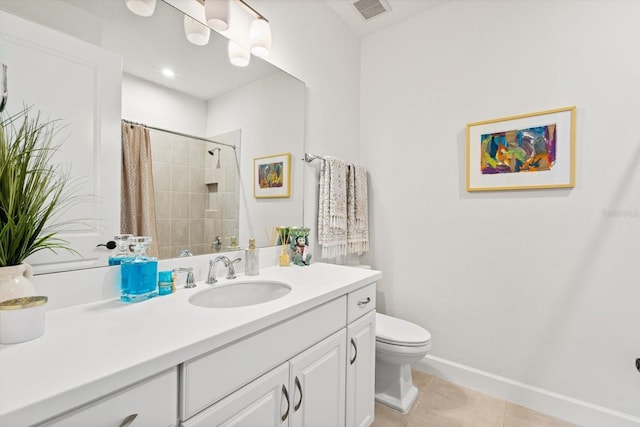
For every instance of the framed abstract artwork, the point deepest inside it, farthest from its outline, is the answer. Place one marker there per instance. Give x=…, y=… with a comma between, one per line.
x=272, y=176
x=528, y=151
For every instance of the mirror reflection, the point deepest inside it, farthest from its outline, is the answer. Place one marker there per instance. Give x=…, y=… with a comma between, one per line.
x=259, y=109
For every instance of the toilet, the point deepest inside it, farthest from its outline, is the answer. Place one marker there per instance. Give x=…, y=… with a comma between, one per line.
x=399, y=343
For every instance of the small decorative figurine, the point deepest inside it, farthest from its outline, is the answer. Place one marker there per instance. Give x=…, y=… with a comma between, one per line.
x=301, y=255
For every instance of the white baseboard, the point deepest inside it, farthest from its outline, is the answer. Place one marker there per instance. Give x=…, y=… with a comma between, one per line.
x=554, y=404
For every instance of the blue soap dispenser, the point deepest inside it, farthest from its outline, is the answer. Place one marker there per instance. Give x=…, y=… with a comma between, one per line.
x=139, y=273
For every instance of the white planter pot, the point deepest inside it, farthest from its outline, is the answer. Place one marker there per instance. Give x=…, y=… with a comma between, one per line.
x=15, y=282
x=22, y=319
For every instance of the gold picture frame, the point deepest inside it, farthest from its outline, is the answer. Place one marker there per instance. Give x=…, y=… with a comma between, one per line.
x=527, y=151
x=272, y=176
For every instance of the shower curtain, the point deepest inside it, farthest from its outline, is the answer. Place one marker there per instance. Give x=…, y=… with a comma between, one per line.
x=137, y=207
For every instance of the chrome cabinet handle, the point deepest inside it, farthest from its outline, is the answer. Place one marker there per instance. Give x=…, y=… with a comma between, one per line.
x=127, y=421
x=355, y=347
x=297, y=406
x=364, y=302
x=286, y=396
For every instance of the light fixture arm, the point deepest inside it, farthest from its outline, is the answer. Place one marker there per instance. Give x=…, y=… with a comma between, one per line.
x=252, y=10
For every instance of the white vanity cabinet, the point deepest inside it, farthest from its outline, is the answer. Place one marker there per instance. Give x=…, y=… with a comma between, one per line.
x=317, y=384
x=318, y=380
x=361, y=339
x=264, y=402
x=306, y=362
x=151, y=403
x=361, y=336
x=307, y=391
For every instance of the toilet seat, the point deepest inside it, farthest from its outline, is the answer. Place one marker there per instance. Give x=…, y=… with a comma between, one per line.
x=398, y=332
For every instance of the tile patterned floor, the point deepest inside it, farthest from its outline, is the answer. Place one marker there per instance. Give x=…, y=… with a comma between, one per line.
x=444, y=404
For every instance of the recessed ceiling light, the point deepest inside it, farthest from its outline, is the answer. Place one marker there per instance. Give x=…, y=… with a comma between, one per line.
x=168, y=72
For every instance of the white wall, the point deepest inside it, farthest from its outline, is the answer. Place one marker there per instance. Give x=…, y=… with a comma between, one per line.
x=270, y=115
x=313, y=44
x=155, y=105
x=539, y=288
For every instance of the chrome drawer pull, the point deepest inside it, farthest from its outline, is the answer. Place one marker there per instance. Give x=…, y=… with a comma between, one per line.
x=127, y=421
x=286, y=396
x=355, y=347
x=297, y=406
x=364, y=302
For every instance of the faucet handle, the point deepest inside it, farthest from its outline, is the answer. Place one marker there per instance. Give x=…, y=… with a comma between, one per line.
x=190, y=280
x=231, y=272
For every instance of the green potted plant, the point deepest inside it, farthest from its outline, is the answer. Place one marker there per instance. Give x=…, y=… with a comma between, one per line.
x=33, y=189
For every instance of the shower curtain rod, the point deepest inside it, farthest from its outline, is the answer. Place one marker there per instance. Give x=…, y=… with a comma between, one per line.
x=178, y=133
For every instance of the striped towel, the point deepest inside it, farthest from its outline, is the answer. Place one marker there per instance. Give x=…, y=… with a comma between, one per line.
x=332, y=208
x=357, y=210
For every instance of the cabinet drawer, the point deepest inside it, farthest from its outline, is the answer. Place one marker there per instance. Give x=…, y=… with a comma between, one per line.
x=361, y=301
x=262, y=403
x=154, y=401
x=209, y=378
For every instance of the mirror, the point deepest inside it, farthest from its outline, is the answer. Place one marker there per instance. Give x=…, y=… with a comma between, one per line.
x=260, y=108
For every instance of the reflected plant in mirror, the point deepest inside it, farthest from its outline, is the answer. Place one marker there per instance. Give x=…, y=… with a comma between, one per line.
x=108, y=57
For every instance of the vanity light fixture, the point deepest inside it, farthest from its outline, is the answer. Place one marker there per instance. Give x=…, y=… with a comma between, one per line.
x=196, y=32
x=260, y=37
x=239, y=55
x=142, y=7
x=217, y=13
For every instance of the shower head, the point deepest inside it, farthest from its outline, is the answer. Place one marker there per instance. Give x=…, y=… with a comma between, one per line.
x=213, y=152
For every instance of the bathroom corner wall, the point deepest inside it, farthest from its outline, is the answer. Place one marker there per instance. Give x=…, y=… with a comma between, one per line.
x=536, y=289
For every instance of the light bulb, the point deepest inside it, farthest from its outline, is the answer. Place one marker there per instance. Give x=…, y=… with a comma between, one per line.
x=196, y=32
x=260, y=37
x=217, y=13
x=142, y=7
x=239, y=55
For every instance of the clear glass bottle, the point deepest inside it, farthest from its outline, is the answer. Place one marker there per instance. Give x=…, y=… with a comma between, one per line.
x=139, y=279
x=251, y=259
x=122, y=249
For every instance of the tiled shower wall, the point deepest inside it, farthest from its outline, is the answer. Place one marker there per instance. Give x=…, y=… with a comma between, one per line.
x=195, y=201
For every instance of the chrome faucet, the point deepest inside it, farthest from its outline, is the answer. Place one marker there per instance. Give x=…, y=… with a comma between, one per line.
x=231, y=270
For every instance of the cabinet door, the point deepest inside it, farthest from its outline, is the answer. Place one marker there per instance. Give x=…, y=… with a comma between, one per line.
x=153, y=403
x=264, y=402
x=317, y=384
x=361, y=341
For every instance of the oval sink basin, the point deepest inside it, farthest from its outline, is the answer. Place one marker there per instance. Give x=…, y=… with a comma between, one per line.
x=240, y=294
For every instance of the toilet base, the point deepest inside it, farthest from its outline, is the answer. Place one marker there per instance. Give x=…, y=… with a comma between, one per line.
x=394, y=386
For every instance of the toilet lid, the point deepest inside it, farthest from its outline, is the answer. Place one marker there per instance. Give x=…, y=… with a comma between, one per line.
x=392, y=330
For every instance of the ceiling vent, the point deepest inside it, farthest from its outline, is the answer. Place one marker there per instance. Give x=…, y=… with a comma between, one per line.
x=370, y=8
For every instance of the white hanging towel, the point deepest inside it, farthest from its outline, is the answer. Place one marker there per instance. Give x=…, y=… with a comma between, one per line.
x=332, y=208
x=357, y=210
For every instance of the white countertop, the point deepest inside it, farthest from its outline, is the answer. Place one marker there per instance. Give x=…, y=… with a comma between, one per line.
x=93, y=349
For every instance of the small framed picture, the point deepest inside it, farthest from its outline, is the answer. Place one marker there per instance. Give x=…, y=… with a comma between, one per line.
x=272, y=176
x=528, y=151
